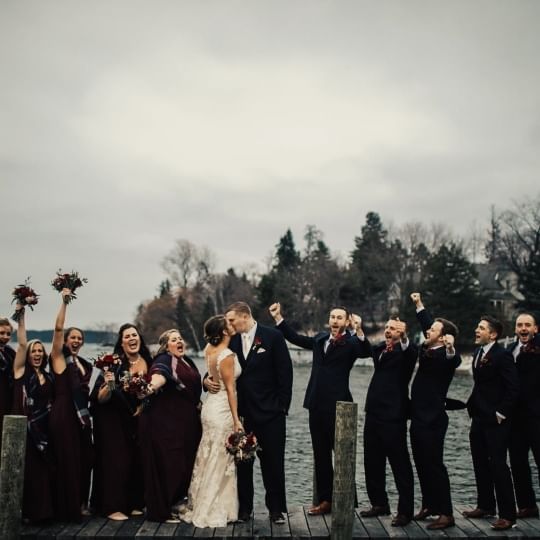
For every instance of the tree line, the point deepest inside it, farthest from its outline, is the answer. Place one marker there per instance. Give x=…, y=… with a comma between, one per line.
x=386, y=264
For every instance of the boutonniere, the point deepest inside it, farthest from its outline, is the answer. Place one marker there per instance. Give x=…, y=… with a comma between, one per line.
x=256, y=347
x=339, y=340
x=485, y=360
x=530, y=348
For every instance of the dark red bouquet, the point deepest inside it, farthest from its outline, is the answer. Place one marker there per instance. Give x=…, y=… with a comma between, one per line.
x=25, y=296
x=68, y=281
x=136, y=384
x=243, y=446
x=106, y=362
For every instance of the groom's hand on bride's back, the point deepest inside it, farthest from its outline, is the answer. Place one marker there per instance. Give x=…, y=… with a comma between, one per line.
x=212, y=386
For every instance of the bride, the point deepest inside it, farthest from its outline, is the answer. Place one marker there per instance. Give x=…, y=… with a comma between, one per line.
x=213, y=497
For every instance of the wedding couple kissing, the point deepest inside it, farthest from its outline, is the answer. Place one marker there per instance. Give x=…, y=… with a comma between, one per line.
x=249, y=382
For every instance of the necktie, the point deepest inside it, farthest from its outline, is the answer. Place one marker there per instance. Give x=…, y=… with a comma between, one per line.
x=479, y=356
x=245, y=345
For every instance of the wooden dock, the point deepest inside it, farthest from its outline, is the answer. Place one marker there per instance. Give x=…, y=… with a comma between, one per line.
x=298, y=526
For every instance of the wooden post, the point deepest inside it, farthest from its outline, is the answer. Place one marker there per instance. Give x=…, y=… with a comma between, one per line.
x=12, y=475
x=343, y=495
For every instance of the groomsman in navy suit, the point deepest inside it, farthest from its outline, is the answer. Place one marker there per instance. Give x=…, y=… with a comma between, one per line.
x=491, y=406
x=526, y=422
x=334, y=354
x=438, y=361
x=385, y=427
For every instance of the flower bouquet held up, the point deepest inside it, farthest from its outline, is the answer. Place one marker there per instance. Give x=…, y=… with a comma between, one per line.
x=107, y=362
x=68, y=281
x=243, y=446
x=25, y=296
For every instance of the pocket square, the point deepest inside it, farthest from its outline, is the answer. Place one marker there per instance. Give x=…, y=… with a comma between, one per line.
x=260, y=350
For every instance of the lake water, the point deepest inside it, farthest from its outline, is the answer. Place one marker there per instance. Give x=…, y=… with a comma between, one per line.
x=299, y=460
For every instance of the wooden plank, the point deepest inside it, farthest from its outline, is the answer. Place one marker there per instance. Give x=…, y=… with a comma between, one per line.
x=297, y=523
x=373, y=527
x=204, y=532
x=71, y=530
x=29, y=532
x=533, y=525
x=110, y=529
x=392, y=532
x=261, y=524
x=359, y=531
x=166, y=530
x=467, y=526
x=243, y=530
x=279, y=531
x=129, y=528
x=147, y=530
x=184, y=530
x=50, y=531
x=418, y=530
x=225, y=533
x=91, y=528
x=317, y=526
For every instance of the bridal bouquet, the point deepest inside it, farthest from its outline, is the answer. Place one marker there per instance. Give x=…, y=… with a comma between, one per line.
x=135, y=384
x=25, y=296
x=68, y=281
x=107, y=362
x=243, y=446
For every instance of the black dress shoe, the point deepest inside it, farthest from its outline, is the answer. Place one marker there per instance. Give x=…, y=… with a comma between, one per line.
x=527, y=512
x=375, y=511
x=400, y=520
x=243, y=516
x=277, y=517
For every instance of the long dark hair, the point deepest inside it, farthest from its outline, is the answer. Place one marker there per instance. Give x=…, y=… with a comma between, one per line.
x=144, y=351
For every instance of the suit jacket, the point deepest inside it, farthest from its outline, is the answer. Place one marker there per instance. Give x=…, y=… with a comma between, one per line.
x=265, y=385
x=387, y=397
x=329, y=379
x=528, y=370
x=496, y=385
x=432, y=380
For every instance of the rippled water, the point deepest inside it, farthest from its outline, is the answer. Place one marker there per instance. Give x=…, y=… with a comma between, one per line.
x=299, y=460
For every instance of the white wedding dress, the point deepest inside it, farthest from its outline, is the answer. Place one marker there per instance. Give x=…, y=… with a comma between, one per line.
x=213, y=495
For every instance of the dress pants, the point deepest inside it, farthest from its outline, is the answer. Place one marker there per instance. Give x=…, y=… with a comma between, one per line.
x=489, y=445
x=525, y=436
x=427, y=444
x=382, y=441
x=271, y=438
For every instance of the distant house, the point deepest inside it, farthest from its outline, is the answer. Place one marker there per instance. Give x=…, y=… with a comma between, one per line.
x=500, y=286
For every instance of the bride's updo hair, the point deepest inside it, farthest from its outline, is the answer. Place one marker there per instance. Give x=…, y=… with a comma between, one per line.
x=214, y=328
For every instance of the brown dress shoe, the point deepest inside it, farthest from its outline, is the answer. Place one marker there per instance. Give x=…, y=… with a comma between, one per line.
x=478, y=513
x=527, y=512
x=423, y=514
x=375, y=511
x=502, y=524
x=442, y=522
x=400, y=520
x=323, y=507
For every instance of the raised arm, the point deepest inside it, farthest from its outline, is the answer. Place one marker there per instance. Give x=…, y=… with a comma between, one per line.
x=20, y=356
x=226, y=369
x=422, y=314
x=290, y=335
x=57, y=356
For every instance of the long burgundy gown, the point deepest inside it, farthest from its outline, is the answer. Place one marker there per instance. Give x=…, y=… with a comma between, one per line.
x=37, y=495
x=170, y=431
x=71, y=446
x=118, y=475
x=7, y=354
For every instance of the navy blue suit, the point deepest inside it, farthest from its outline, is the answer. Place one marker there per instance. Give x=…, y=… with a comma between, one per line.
x=526, y=422
x=429, y=421
x=264, y=396
x=496, y=389
x=328, y=383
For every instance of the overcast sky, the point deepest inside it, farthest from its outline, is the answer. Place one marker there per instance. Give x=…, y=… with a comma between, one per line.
x=125, y=125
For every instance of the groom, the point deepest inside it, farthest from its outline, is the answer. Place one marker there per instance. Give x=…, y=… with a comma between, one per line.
x=264, y=395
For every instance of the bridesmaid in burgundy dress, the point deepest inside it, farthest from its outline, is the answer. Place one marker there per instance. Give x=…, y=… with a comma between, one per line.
x=69, y=420
x=7, y=354
x=118, y=476
x=170, y=428
x=32, y=396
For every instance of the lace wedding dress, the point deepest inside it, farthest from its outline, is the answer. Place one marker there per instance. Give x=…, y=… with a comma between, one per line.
x=213, y=496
